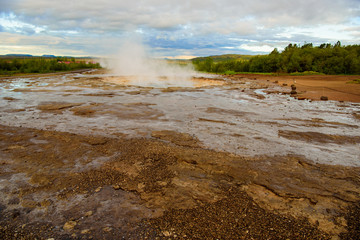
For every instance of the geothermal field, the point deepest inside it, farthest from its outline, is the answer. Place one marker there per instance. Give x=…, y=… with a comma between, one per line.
x=176, y=155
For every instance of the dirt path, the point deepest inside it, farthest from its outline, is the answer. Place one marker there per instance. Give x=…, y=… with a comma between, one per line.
x=335, y=87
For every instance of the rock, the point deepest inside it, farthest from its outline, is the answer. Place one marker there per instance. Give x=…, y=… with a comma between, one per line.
x=107, y=229
x=166, y=233
x=9, y=98
x=324, y=98
x=29, y=204
x=141, y=186
x=162, y=183
x=15, y=147
x=14, y=201
x=98, y=189
x=293, y=92
x=284, y=84
x=293, y=87
x=85, y=231
x=116, y=187
x=88, y=214
x=46, y=203
x=276, y=82
x=68, y=226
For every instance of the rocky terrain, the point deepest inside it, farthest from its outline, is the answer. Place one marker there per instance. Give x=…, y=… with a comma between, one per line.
x=93, y=156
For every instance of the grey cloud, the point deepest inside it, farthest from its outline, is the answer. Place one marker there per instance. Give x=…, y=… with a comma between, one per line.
x=159, y=14
x=205, y=26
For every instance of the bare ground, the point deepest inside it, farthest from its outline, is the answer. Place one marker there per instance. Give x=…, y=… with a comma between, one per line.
x=168, y=188
x=166, y=184
x=335, y=87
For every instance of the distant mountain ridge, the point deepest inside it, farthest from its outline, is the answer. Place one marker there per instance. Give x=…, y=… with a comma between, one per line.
x=16, y=55
x=224, y=57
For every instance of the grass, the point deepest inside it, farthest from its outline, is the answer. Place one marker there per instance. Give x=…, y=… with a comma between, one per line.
x=230, y=72
x=256, y=73
x=306, y=73
x=356, y=81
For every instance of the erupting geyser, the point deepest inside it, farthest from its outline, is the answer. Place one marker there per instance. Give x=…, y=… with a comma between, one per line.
x=133, y=65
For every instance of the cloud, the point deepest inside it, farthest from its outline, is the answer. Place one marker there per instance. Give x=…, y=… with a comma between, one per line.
x=170, y=14
x=180, y=26
x=257, y=48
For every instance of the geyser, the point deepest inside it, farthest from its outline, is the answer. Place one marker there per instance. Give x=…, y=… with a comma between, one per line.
x=133, y=66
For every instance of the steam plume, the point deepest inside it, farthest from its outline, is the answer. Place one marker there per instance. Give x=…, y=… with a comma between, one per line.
x=133, y=62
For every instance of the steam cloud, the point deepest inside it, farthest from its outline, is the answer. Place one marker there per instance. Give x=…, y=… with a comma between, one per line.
x=133, y=61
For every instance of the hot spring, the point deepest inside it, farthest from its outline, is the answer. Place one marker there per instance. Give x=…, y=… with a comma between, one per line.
x=132, y=65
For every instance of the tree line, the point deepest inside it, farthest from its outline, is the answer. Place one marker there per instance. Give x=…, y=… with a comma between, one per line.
x=43, y=65
x=326, y=59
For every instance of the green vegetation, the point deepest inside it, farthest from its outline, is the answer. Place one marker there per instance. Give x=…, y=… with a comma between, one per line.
x=226, y=57
x=305, y=73
x=11, y=65
x=298, y=60
x=356, y=81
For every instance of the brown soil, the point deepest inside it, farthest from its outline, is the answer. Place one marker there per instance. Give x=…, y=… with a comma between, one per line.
x=319, y=137
x=44, y=74
x=149, y=183
x=335, y=87
x=107, y=188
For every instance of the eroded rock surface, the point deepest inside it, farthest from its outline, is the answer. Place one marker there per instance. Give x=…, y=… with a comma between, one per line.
x=86, y=156
x=58, y=178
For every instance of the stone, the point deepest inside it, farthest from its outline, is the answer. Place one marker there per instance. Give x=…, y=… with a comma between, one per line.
x=166, y=233
x=141, y=186
x=88, y=214
x=107, y=229
x=324, y=98
x=14, y=201
x=68, y=226
x=29, y=204
x=46, y=203
x=98, y=189
x=85, y=231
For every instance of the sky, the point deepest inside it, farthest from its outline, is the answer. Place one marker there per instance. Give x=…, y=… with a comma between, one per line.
x=173, y=28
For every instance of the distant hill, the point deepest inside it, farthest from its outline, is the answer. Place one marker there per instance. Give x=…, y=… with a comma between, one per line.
x=11, y=56
x=48, y=56
x=19, y=55
x=16, y=56
x=225, y=57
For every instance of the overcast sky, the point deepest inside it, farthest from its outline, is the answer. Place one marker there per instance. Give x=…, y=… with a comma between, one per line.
x=174, y=28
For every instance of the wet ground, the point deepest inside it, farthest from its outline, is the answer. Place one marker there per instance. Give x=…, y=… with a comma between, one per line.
x=91, y=155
